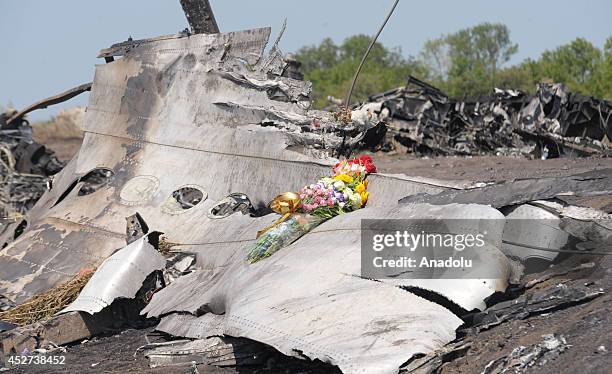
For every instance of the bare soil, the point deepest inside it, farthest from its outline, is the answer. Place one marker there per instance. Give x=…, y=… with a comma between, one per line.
x=486, y=168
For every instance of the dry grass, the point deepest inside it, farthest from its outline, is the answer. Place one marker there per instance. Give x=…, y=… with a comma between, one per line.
x=67, y=124
x=43, y=306
x=62, y=134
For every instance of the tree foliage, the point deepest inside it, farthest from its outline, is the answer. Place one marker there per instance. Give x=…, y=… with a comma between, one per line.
x=331, y=68
x=576, y=64
x=471, y=57
x=468, y=62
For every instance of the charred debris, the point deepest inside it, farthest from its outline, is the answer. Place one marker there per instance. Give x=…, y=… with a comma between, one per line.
x=25, y=166
x=552, y=123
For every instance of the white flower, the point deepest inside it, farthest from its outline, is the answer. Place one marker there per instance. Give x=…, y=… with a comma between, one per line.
x=339, y=185
x=328, y=181
x=355, y=199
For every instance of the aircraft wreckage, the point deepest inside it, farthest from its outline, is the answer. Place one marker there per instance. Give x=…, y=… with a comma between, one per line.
x=191, y=136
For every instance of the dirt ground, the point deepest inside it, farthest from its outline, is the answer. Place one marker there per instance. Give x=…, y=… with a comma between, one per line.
x=119, y=353
x=476, y=168
x=486, y=168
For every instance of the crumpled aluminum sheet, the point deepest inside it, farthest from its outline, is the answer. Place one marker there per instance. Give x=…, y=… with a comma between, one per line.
x=163, y=117
x=217, y=351
x=309, y=300
x=532, y=226
x=522, y=358
x=120, y=276
x=359, y=325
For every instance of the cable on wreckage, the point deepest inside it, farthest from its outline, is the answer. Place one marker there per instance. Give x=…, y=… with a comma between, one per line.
x=365, y=56
x=585, y=252
x=347, y=102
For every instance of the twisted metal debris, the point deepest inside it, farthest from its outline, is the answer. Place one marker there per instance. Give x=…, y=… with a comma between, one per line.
x=551, y=123
x=25, y=167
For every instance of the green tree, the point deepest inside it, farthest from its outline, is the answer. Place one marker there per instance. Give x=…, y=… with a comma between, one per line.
x=435, y=55
x=331, y=68
x=493, y=46
x=603, y=79
x=323, y=56
x=576, y=64
x=467, y=62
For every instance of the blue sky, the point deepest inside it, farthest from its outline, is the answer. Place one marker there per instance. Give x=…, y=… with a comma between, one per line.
x=50, y=46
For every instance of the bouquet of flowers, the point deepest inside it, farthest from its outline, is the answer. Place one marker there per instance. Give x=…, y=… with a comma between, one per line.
x=343, y=192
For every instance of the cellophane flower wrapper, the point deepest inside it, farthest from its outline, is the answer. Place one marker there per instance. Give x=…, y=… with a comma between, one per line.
x=282, y=235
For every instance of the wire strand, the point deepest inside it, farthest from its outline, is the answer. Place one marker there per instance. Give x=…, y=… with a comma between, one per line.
x=557, y=250
x=365, y=56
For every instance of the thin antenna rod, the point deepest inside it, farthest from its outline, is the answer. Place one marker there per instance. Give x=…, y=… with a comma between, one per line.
x=365, y=56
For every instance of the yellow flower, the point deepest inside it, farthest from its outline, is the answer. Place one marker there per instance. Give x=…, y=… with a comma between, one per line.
x=364, y=197
x=344, y=177
x=360, y=188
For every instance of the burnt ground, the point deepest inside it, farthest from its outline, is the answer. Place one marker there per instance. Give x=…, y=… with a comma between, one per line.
x=110, y=354
x=117, y=353
x=586, y=326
